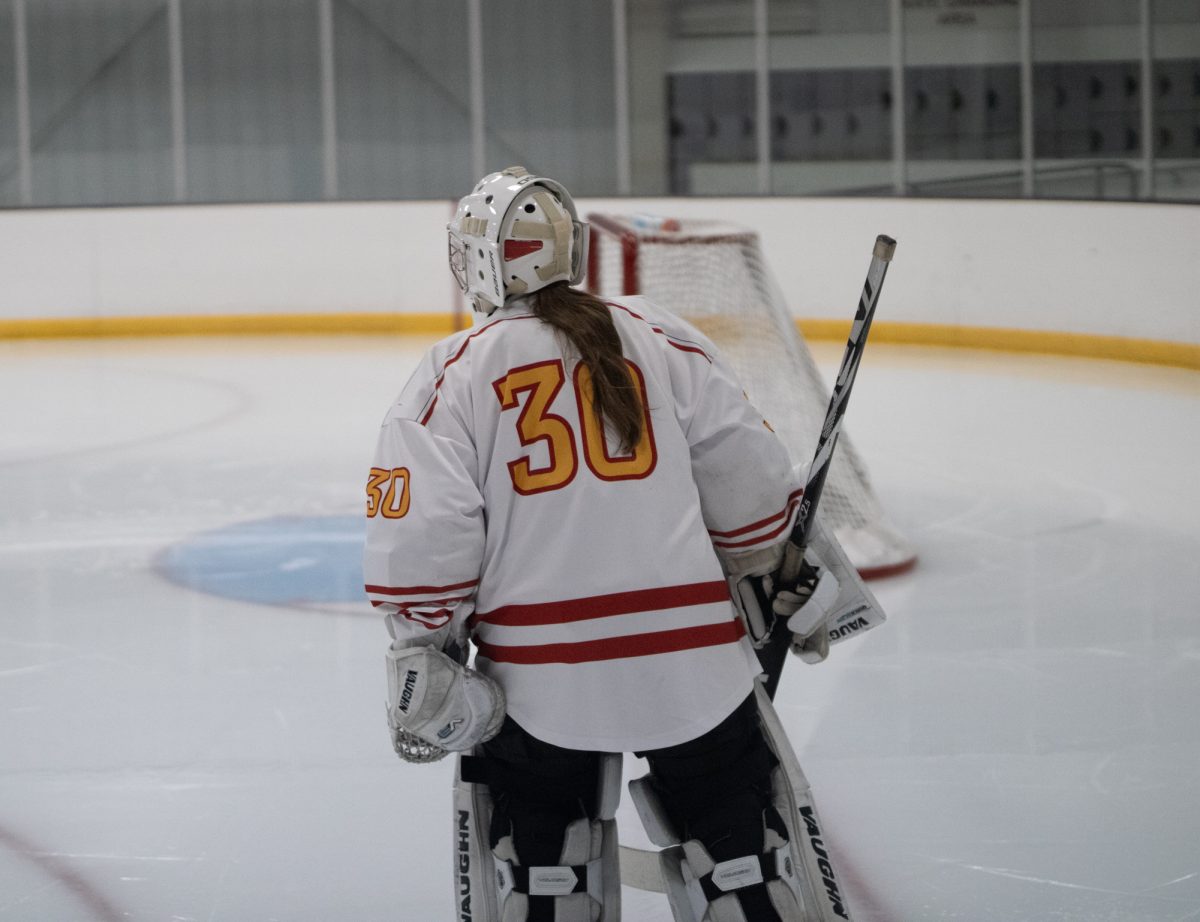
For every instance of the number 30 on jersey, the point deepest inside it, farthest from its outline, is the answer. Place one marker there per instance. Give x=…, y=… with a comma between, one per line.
x=541, y=383
x=388, y=493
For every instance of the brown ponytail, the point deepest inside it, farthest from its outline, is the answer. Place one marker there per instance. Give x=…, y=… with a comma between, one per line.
x=587, y=324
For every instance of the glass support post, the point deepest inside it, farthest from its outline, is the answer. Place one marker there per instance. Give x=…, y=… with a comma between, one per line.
x=178, y=116
x=1028, y=153
x=899, y=126
x=329, y=142
x=762, y=95
x=1147, y=81
x=24, y=132
x=621, y=95
x=475, y=63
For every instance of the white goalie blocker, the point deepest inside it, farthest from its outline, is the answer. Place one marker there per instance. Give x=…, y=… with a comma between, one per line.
x=854, y=609
x=842, y=603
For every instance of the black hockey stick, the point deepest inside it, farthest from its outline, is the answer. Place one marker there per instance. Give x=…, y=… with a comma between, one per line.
x=773, y=653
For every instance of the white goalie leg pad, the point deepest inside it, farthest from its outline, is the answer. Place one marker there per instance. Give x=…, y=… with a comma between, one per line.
x=798, y=873
x=815, y=883
x=702, y=890
x=586, y=884
x=475, y=896
x=495, y=886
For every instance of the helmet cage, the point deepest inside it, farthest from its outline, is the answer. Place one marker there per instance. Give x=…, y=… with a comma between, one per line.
x=458, y=260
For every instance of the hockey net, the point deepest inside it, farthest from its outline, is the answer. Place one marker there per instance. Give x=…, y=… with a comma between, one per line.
x=713, y=274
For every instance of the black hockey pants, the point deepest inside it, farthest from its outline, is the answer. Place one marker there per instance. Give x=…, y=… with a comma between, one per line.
x=715, y=788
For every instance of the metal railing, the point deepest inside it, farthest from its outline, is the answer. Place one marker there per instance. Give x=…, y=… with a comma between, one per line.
x=1008, y=183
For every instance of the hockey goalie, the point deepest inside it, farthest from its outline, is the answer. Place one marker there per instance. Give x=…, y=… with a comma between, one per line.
x=579, y=493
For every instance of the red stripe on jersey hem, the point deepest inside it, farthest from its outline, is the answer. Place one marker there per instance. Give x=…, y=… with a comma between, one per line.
x=754, y=526
x=605, y=606
x=419, y=590
x=682, y=345
x=437, y=384
x=594, y=651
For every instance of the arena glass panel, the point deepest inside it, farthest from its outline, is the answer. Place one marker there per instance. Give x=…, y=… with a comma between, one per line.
x=402, y=99
x=549, y=91
x=99, y=117
x=252, y=99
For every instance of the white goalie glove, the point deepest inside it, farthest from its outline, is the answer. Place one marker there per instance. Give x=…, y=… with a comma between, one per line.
x=436, y=705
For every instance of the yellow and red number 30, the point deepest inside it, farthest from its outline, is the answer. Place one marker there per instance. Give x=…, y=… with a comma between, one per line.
x=387, y=493
x=542, y=382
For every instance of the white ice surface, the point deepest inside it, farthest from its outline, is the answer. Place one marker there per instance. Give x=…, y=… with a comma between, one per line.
x=1020, y=741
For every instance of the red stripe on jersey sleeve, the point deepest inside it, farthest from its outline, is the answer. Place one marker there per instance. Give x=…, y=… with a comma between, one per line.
x=419, y=590
x=421, y=603
x=605, y=606
x=760, y=539
x=754, y=526
x=682, y=345
x=594, y=651
x=437, y=383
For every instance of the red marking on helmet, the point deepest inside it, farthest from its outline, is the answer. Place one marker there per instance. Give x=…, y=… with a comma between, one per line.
x=515, y=249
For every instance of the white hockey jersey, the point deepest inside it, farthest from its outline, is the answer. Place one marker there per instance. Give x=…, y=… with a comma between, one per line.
x=586, y=578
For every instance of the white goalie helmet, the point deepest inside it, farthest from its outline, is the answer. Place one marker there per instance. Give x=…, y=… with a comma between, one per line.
x=515, y=233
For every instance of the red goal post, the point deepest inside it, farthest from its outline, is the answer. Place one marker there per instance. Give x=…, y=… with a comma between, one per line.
x=714, y=275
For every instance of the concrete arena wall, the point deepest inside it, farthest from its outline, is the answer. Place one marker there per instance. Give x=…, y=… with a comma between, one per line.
x=1125, y=270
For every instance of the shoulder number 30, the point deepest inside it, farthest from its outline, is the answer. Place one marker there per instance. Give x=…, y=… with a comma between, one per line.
x=535, y=423
x=387, y=493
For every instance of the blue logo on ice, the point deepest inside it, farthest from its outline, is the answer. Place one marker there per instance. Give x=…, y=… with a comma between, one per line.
x=278, y=561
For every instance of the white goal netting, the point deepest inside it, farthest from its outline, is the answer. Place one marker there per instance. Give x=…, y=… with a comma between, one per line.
x=713, y=274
